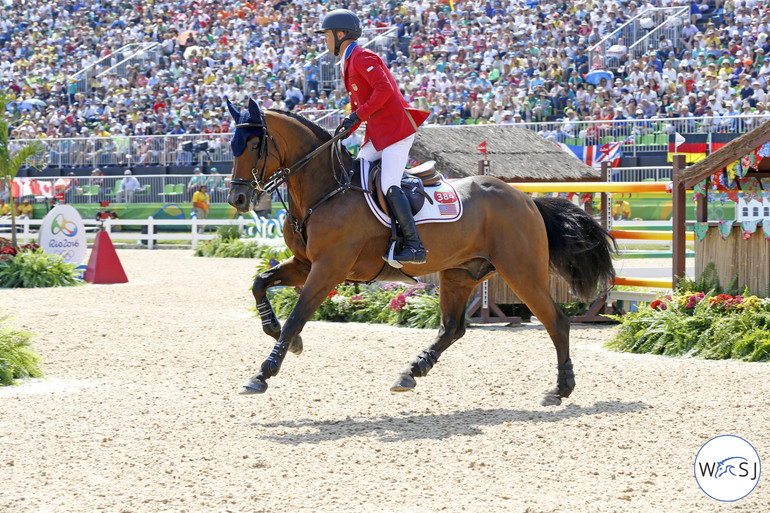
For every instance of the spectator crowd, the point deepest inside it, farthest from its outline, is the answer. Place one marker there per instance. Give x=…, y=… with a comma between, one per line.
x=503, y=62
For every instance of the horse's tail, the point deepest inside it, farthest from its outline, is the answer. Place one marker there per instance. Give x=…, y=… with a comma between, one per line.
x=579, y=248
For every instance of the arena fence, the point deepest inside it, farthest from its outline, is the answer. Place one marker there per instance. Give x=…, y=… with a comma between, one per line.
x=151, y=231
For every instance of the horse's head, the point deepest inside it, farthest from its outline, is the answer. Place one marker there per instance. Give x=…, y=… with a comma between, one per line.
x=251, y=156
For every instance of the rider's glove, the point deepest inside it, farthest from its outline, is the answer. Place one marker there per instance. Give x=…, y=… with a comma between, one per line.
x=347, y=123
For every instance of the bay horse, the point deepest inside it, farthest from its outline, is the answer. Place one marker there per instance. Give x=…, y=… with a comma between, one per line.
x=335, y=237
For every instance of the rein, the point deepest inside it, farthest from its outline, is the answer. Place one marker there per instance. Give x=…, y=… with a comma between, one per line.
x=282, y=175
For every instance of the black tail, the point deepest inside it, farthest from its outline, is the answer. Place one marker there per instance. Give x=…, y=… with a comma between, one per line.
x=579, y=248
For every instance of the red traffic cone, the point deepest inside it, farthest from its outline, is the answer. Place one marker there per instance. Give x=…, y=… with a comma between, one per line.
x=104, y=265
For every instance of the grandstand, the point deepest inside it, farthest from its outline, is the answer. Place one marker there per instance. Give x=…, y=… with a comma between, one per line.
x=113, y=84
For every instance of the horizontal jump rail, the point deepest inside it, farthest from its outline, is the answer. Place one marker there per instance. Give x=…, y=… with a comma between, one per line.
x=643, y=282
x=592, y=186
x=648, y=235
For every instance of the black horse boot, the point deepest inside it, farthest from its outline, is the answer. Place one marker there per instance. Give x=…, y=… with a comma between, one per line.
x=413, y=251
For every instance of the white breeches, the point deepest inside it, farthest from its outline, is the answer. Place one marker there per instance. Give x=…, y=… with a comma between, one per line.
x=394, y=159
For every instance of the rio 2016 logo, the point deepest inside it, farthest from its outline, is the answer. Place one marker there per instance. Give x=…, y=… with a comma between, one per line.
x=727, y=468
x=61, y=225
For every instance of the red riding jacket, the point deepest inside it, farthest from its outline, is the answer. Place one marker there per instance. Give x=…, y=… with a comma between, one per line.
x=376, y=99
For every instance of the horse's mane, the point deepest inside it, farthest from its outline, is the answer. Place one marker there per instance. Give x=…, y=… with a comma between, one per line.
x=322, y=134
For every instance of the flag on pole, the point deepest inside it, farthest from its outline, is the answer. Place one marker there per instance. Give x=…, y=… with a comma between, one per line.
x=482, y=148
x=693, y=146
x=678, y=140
x=595, y=155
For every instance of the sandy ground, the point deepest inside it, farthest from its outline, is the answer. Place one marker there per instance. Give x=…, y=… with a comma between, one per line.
x=139, y=412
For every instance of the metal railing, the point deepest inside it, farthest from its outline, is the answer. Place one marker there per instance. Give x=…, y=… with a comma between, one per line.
x=639, y=29
x=84, y=78
x=329, y=77
x=154, y=188
x=174, y=188
x=671, y=29
x=143, y=53
x=637, y=136
x=640, y=174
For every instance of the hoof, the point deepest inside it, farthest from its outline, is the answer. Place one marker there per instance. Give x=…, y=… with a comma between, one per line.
x=253, y=387
x=550, y=400
x=295, y=346
x=404, y=383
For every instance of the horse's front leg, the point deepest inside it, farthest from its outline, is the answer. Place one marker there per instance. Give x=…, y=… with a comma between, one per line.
x=320, y=281
x=291, y=273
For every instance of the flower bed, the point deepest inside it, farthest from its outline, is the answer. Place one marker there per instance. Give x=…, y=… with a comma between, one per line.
x=30, y=267
x=413, y=306
x=704, y=325
x=7, y=250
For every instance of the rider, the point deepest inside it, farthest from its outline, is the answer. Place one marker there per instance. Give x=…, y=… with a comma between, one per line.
x=391, y=123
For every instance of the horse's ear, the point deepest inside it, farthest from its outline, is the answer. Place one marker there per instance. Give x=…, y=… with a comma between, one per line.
x=254, y=111
x=233, y=111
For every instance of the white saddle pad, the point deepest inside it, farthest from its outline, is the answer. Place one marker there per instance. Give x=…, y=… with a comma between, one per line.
x=446, y=208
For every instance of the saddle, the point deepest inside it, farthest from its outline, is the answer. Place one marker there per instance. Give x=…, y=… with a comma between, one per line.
x=413, y=183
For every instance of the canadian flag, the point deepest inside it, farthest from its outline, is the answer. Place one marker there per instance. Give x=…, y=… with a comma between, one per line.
x=29, y=187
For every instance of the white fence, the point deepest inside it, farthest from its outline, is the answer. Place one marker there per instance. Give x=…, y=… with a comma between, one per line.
x=200, y=230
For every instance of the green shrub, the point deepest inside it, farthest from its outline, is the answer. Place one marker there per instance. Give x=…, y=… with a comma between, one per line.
x=31, y=269
x=225, y=246
x=413, y=306
x=271, y=256
x=700, y=325
x=17, y=360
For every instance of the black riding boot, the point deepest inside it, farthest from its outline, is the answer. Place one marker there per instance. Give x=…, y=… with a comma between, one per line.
x=413, y=252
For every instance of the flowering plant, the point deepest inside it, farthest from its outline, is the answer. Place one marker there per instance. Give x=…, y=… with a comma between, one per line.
x=698, y=324
x=392, y=303
x=8, y=251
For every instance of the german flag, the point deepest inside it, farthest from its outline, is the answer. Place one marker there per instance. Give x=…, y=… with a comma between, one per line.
x=694, y=147
x=719, y=140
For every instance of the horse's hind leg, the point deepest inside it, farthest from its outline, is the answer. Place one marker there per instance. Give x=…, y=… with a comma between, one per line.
x=534, y=292
x=455, y=286
x=289, y=273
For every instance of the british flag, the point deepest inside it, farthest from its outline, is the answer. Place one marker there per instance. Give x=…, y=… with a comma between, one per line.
x=595, y=155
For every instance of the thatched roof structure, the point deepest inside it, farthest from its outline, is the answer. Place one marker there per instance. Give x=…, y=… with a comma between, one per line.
x=727, y=154
x=515, y=154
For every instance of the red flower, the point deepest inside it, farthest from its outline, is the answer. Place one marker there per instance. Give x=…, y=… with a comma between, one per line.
x=658, y=305
x=333, y=293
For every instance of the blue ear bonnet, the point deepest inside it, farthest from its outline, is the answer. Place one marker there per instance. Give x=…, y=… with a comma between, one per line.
x=238, y=144
x=252, y=116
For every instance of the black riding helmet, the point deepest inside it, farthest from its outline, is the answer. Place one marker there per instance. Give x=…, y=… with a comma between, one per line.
x=341, y=19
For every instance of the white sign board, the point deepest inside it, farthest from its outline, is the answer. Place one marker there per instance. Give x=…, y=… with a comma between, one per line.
x=63, y=233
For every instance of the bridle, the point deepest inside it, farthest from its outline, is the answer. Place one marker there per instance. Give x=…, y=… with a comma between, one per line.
x=283, y=173
x=263, y=153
